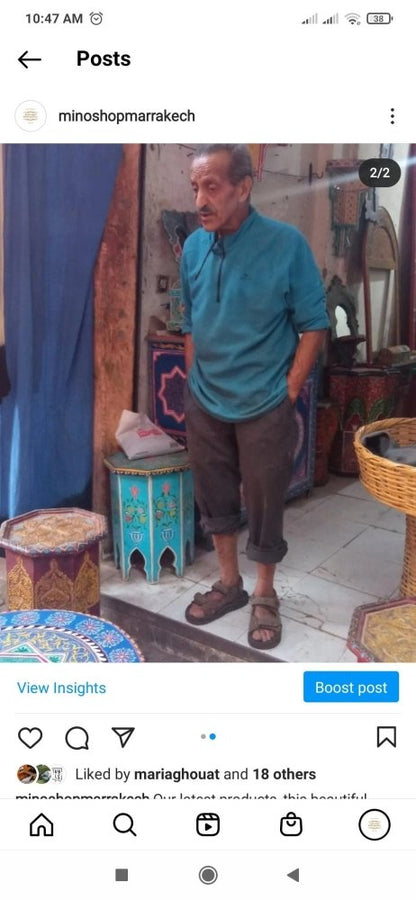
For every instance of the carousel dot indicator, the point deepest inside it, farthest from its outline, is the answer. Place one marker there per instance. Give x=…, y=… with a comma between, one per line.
x=212, y=736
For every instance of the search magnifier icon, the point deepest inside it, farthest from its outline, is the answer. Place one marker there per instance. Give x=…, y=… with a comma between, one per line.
x=124, y=823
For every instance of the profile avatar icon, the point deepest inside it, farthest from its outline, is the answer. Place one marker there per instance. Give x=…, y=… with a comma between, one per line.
x=27, y=774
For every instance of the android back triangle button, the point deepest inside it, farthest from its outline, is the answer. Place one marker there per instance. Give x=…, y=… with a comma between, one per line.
x=124, y=734
x=294, y=875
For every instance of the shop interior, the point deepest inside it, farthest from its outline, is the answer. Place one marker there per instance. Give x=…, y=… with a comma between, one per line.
x=91, y=326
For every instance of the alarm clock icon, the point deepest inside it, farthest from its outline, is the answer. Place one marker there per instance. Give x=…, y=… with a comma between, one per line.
x=96, y=18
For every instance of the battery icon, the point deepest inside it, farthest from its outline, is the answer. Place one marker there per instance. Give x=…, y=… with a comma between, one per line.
x=378, y=18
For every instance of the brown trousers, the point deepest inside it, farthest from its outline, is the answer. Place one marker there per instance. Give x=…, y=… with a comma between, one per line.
x=257, y=454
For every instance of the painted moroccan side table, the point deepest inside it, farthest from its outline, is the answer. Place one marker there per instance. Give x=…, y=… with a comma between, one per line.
x=384, y=632
x=362, y=394
x=48, y=636
x=52, y=559
x=152, y=504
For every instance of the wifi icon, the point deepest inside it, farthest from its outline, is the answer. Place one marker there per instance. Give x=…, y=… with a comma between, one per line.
x=353, y=18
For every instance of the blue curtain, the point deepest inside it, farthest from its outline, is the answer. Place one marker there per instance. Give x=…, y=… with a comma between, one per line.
x=56, y=203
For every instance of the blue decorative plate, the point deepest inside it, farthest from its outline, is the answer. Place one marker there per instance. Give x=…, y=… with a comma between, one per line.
x=44, y=635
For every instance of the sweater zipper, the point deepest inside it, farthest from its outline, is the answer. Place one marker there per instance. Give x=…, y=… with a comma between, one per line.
x=219, y=279
x=218, y=249
x=221, y=254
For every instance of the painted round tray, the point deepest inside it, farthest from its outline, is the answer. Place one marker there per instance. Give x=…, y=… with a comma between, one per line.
x=43, y=532
x=58, y=636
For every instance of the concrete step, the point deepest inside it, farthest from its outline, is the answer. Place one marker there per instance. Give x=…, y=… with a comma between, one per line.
x=166, y=640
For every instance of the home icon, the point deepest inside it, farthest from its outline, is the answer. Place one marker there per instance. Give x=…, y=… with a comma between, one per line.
x=41, y=827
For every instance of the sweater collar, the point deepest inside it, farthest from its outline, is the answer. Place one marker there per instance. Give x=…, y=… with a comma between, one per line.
x=228, y=240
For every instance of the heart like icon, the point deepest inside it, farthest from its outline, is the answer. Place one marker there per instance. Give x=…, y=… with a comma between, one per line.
x=30, y=736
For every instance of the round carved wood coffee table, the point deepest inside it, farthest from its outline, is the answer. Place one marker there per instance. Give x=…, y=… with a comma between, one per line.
x=59, y=636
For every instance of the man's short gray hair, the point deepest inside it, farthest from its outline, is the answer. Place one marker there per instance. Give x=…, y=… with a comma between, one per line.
x=240, y=159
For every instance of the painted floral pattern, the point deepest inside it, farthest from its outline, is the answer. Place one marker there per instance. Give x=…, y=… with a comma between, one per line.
x=135, y=513
x=25, y=618
x=166, y=506
x=60, y=618
x=122, y=656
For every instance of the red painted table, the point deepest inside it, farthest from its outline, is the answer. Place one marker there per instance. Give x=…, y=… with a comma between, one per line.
x=52, y=559
x=361, y=394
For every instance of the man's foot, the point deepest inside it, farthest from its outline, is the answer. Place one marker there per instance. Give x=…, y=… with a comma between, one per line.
x=215, y=603
x=265, y=629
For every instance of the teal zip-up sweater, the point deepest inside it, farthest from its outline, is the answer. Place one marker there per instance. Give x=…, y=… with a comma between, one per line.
x=247, y=296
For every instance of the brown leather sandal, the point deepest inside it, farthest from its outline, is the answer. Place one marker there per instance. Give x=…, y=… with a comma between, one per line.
x=269, y=620
x=217, y=602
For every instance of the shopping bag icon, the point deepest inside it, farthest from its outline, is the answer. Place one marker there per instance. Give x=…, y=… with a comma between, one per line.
x=291, y=825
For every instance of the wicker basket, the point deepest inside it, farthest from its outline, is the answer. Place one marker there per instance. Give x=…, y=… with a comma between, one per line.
x=394, y=484
x=391, y=483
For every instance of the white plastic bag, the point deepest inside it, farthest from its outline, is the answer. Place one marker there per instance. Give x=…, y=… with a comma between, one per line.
x=138, y=437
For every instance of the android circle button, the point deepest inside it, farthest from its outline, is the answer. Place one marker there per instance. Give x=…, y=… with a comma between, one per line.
x=374, y=824
x=208, y=874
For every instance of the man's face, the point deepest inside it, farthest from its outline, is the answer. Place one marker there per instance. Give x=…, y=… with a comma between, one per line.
x=222, y=206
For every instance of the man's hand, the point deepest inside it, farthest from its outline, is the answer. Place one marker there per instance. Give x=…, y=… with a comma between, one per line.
x=307, y=351
x=189, y=352
x=292, y=392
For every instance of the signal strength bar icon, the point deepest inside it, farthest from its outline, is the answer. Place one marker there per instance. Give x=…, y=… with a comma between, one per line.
x=312, y=20
x=333, y=20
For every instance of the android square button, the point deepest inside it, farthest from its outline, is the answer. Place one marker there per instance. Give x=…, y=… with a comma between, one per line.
x=122, y=874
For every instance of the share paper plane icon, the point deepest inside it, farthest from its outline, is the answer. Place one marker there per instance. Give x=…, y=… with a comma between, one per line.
x=124, y=734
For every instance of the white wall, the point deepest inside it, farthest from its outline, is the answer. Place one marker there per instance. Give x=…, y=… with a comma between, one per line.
x=381, y=283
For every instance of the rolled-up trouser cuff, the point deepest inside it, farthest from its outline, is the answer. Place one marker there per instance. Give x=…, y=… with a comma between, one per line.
x=221, y=524
x=267, y=556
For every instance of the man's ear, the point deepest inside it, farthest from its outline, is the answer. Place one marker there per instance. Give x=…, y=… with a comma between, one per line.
x=246, y=186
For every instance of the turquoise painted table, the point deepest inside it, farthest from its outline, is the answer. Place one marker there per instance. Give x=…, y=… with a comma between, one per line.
x=152, y=505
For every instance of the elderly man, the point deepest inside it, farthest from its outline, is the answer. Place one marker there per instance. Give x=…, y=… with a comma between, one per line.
x=250, y=288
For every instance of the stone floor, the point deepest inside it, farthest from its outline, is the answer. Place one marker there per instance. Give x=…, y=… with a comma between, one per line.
x=345, y=549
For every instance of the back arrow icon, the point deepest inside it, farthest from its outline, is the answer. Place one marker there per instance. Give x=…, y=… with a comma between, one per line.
x=24, y=58
x=294, y=875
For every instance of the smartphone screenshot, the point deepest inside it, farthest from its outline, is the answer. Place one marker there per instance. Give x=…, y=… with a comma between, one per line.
x=207, y=451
